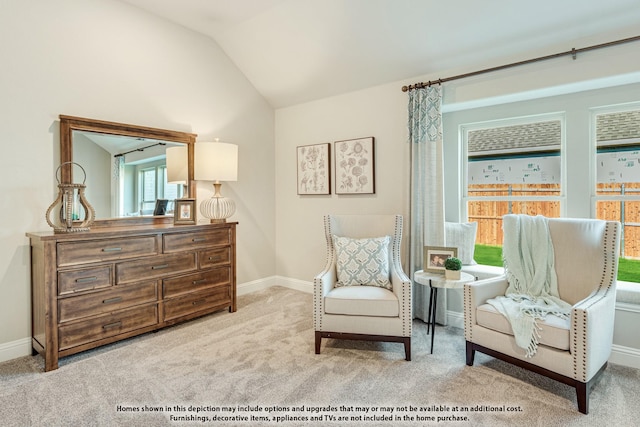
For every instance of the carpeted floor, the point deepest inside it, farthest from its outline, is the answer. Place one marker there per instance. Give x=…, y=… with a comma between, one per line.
x=257, y=367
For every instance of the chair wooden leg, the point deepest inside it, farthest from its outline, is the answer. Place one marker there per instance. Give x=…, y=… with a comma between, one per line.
x=471, y=353
x=318, y=341
x=582, y=392
x=407, y=349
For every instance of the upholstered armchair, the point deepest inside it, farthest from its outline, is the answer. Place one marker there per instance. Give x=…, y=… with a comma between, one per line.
x=363, y=292
x=574, y=350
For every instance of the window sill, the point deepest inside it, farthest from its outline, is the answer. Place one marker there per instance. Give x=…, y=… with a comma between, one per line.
x=626, y=292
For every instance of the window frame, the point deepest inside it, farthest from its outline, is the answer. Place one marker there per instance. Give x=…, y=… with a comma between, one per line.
x=596, y=111
x=595, y=197
x=464, y=130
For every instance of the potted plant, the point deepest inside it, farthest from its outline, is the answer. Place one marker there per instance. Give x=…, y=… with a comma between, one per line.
x=452, y=267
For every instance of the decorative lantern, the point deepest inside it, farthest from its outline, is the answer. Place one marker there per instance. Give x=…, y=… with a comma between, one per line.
x=71, y=210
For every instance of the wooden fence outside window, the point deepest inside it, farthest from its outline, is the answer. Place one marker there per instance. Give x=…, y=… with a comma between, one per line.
x=488, y=214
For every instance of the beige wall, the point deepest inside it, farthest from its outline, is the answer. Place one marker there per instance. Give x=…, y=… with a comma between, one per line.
x=104, y=59
x=377, y=112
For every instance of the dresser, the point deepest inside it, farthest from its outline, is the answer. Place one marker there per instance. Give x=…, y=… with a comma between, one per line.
x=111, y=283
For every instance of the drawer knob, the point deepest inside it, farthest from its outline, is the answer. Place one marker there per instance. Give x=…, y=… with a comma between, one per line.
x=198, y=239
x=159, y=267
x=86, y=279
x=197, y=282
x=200, y=301
x=112, y=325
x=112, y=300
x=111, y=249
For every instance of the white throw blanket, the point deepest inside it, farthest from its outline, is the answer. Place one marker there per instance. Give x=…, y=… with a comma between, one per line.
x=533, y=286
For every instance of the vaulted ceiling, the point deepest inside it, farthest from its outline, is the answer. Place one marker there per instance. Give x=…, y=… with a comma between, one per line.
x=294, y=51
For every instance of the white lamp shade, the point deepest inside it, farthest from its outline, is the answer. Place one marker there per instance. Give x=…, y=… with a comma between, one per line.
x=216, y=161
x=177, y=165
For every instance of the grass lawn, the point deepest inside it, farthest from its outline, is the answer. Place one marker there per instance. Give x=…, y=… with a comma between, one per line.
x=488, y=255
x=628, y=269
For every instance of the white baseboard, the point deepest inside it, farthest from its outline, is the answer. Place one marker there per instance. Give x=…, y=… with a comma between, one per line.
x=455, y=319
x=256, y=285
x=620, y=355
x=298, y=285
x=260, y=284
x=625, y=356
x=15, y=349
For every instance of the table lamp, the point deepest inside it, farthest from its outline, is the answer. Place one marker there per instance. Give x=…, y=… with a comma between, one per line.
x=216, y=161
x=177, y=166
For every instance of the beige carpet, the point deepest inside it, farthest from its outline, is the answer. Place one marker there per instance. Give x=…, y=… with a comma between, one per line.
x=261, y=359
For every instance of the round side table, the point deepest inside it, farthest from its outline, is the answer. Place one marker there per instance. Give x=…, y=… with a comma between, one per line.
x=435, y=281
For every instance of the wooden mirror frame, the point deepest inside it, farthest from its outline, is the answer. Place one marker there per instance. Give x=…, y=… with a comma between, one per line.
x=68, y=124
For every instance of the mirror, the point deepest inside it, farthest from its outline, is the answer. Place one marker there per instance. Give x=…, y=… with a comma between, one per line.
x=125, y=166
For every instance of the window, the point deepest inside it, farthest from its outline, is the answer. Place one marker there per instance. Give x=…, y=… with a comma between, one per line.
x=152, y=184
x=617, y=133
x=582, y=152
x=512, y=166
x=149, y=189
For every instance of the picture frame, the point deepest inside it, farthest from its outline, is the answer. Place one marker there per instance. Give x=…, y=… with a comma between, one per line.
x=161, y=207
x=184, y=211
x=434, y=256
x=314, y=169
x=355, y=166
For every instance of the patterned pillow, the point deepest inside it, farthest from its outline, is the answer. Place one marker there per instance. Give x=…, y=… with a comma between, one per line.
x=362, y=262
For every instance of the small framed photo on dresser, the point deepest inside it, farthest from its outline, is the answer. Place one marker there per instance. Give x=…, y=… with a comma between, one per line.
x=184, y=211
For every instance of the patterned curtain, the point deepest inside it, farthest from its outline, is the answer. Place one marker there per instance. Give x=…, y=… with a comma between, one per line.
x=427, y=189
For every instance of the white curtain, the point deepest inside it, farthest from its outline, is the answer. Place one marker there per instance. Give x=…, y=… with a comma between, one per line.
x=427, y=189
x=117, y=187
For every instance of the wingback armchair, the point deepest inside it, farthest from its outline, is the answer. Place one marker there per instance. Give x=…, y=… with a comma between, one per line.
x=574, y=351
x=359, y=246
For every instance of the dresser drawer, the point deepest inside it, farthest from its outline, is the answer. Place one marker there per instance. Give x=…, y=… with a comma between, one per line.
x=96, y=328
x=73, y=253
x=175, y=242
x=213, y=257
x=158, y=266
x=117, y=298
x=197, y=301
x=192, y=282
x=84, y=279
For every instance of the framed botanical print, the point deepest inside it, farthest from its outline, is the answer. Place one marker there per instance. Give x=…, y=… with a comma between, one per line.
x=314, y=169
x=355, y=166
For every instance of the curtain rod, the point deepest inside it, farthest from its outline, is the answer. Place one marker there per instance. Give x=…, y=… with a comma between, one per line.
x=573, y=52
x=140, y=149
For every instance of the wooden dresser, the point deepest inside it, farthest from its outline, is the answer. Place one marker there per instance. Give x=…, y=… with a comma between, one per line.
x=97, y=287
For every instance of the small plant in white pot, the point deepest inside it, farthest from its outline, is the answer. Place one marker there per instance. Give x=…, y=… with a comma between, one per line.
x=452, y=267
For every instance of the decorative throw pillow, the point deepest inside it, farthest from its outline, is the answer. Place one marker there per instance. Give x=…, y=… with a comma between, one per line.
x=362, y=262
x=462, y=236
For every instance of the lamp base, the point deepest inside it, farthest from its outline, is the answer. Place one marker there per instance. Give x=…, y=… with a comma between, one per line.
x=217, y=209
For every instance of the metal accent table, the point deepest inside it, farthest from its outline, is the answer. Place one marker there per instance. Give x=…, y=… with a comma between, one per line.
x=435, y=281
